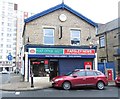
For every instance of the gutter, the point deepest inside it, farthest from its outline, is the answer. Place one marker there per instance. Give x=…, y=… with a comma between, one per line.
x=24, y=29
x=24, y=33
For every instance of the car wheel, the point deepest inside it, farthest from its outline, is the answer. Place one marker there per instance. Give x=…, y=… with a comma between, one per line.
x=66, y=85
x=100, y=85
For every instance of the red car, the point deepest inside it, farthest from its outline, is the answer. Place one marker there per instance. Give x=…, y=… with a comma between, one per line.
x=81, y=78
x=117, y=80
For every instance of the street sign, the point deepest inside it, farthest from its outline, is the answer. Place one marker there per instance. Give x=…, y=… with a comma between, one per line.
x=10, y=57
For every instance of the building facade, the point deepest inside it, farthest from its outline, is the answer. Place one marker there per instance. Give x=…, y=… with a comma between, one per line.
x=8, y=28
x=109, y=43
x=11, y=29
x=57, y=41
x=21, y=15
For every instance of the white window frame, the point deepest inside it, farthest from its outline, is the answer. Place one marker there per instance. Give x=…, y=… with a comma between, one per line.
x=78, y=37
x=101, y=38
x=48, y=36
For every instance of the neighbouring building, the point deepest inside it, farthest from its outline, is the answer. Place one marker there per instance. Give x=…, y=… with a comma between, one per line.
x=109, y=43
x=21, y=15
x=11, y=29
x=57, y=41
x=8, y=28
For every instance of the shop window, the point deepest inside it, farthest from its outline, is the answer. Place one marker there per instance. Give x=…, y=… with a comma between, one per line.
x=75, y=37
x=102, y=41
x=48, y=36
x=38, y=69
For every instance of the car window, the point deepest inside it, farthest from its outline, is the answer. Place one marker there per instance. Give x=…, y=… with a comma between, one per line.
x=98, y=73
x=90, y=73
x=80, y=73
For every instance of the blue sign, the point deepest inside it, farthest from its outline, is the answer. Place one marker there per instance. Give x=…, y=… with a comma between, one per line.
x=10, y=57
x=118, y=51
x=62, y=56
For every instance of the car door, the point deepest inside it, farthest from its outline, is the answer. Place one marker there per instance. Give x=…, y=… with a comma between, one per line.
x=79, y=80
x=91, y=78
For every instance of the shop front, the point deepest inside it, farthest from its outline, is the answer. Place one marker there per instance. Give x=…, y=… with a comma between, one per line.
x=50, y=61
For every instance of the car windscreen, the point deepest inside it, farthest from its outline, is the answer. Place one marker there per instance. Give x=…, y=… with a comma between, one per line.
x=70, y=73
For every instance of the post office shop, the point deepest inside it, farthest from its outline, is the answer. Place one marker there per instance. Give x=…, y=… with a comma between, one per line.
x=47, y=62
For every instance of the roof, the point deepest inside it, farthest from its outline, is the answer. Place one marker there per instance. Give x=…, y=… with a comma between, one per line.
x=60, y=6
x=108, y=26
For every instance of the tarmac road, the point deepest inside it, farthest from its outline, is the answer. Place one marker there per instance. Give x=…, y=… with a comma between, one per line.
x=110, y=92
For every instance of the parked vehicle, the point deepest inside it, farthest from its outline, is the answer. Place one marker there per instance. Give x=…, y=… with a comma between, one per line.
x=80, y=77
x=16, y=70
x=4, y=71
x=117, y=80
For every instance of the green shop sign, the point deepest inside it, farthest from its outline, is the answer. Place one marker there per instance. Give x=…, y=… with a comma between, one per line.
x=49, y=51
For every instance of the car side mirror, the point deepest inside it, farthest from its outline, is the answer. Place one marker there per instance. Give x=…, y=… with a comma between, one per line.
x=74, y=76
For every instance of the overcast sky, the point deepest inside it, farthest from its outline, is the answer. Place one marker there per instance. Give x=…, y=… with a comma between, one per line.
x=99, y=11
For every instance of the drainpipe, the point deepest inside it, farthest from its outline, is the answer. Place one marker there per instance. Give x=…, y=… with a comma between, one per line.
x=106, y=45
x=60, y=32
x=23, y=35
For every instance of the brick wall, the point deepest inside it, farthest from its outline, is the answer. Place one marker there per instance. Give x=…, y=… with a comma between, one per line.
x=34, y=29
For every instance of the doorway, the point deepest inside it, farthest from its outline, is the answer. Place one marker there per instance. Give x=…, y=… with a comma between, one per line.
x=53, y=67
x=118, y=65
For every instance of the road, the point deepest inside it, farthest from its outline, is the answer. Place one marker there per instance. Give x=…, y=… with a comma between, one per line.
x=51, y=92
x=110, y=91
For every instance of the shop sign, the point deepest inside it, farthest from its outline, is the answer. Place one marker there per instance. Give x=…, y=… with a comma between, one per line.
x=49, y=51
x=32, y=51
x=60, y=51
x=61, y=56
x=79, y=52
x=36, y=63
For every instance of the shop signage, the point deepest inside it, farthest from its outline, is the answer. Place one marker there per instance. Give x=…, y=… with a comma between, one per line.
x=60, y=51
x=36, y=63
x=79, y=51
x=49, y=51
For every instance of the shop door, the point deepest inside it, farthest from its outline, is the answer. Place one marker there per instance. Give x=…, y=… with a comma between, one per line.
x=53, y=67
x=110, y=74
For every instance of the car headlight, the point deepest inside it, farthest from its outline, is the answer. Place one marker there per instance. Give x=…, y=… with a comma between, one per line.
x=58, y=79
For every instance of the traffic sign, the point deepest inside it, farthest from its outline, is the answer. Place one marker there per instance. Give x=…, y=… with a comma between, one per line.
x=10, y=57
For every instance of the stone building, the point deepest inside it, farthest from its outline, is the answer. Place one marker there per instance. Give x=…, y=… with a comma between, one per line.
x=109, y=43
x=57, y=40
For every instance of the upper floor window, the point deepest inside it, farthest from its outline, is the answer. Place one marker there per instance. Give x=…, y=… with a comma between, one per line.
x=75, y=37
x=1, y=57
x=48, y=36
x=8, y=46
x=2, y=34
x=1, y=51
x=102, y=41
x=1, y=45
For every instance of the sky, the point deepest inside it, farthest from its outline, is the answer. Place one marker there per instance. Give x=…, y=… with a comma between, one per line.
x=99, y=11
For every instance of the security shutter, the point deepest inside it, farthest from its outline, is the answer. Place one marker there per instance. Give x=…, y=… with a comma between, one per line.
x=68, y=65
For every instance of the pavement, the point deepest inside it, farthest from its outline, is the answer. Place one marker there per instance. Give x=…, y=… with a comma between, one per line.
x=16, y=84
